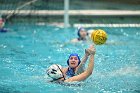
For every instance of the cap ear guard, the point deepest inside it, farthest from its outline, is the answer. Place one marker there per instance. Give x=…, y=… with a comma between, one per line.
x=68, y=61
x=79, y=29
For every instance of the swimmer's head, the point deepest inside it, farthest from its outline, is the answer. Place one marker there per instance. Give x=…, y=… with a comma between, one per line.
x=2, y=23
x=74, y=60
x=55, y=72
x=82, y=33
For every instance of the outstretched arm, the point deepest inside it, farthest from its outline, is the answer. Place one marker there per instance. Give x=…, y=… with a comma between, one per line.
x=80, y=68
x=88, y=71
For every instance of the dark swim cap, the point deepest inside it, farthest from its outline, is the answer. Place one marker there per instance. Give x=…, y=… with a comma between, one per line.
x=79, y=29
x=74, y=54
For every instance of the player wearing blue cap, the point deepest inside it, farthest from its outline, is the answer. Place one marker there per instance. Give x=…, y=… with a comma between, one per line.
x=82, y=35
x=75, y=71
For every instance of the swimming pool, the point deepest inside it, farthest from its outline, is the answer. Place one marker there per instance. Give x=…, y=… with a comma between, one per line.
x=27, y=50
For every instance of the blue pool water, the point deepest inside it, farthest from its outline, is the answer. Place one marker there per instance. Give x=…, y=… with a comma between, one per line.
x=27, y=50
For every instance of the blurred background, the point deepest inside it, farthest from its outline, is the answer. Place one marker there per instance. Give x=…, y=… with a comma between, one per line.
x=80, y=11
x=33, y=38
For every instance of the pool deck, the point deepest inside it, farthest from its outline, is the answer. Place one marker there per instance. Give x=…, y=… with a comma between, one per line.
x=72, y=12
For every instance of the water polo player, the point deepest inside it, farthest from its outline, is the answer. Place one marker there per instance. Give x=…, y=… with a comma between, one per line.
x=82, y=35
x=2, y=23
x=59, y=74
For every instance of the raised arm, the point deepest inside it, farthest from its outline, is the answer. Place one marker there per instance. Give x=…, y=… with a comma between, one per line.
x=89, y=69
x=80, y=68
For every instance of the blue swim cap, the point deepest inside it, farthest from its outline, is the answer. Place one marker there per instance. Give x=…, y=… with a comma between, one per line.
x=74, y=54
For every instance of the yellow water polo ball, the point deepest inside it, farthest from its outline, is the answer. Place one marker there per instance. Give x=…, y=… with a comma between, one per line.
x=99, y=36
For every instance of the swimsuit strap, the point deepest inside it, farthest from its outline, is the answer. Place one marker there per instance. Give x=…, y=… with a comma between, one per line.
x=70, y=72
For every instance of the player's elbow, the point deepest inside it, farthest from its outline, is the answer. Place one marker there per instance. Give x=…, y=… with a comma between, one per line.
x=89, y=73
